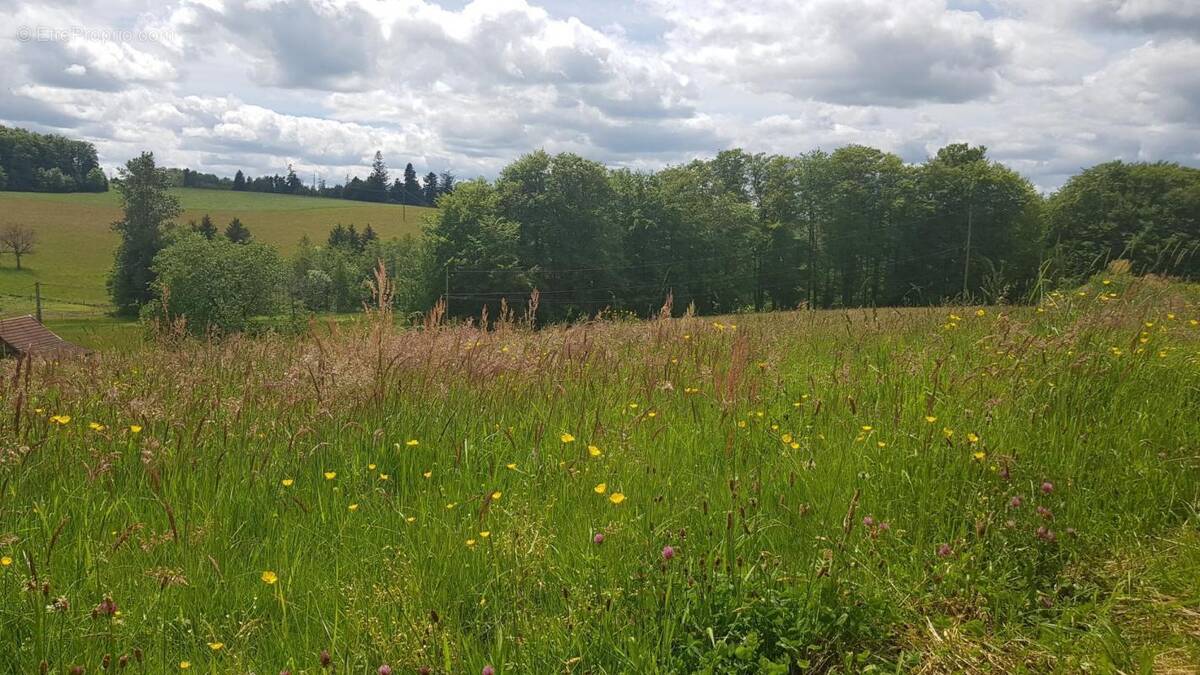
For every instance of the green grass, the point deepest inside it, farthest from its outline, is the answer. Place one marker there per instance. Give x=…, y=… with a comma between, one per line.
x=76, y=245
x=769, y=451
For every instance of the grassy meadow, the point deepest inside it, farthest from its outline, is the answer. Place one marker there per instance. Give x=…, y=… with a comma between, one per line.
x=76, y=244
x=974, y=489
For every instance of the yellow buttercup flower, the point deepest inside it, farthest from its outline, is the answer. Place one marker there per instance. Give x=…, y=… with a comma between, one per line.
x=930, y=419
x=600, y=488
x=485, y=534
x=135, y=428
x=330, y=475
x=512, y=466
x=353, y=507
x=184, y=665
x=594, y=451
x=269, y=577
x=61, y=419
x=616, y=498
x=5, y=561
x=497, y=495
x=470, y=542
x=287, y=482
x=216, y=646
x=96, y=426
x=412, y=442
x=972, y=438
x=370, y=467
x=566, y=438
x=427, y=474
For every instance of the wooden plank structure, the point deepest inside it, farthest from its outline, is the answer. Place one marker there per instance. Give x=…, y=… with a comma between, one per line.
x=21, y=335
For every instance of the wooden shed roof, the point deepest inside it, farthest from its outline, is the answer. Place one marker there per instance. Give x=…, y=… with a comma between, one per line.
x=25, y=335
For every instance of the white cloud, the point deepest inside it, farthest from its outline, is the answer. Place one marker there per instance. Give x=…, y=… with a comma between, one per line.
x=1049, y=86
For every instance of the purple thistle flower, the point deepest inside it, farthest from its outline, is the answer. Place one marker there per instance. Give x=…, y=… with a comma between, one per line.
x=668, y=552
x=868, y=521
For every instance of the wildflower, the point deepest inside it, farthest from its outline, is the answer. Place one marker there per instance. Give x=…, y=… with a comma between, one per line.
x=330, y=475
x=868, y=521
x=600, y=488
x=1045, y=513
x=427, y=474
x=61, y=419
x=216, y=646
x=980, y=312
x=287, y=482
x=566, y=438
x=384, y=476
x=1047, y=487
x=470, y=543
x=269, y=577
x=598, y=538
x=741, y=424
x=616, y=498
x=410, y=519
x=184, y=665
x=947, y=432
x=786, y=438
x=353, y=508
x=370, y=467
x=633, y=406
x=881, y=444
x=5, y=561
x=497, y=495
x=325, y=658
x=96, y=426
x=412, y=442
x=385, y=669
x=668, y=552
x=106, y=608
x=930, y=419
x=488, y=670
x=484, y=534
x=972, y=438
x=944, y=551
x=451, y=505
x=867, y=427
x=1015, y=502
x=512, y=466
x=594, y=451
x=980, y=456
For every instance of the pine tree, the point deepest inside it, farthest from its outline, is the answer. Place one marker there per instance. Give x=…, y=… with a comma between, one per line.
x=412, y=188
x=294, y=186
x=447, y=183
x=239, y=181
x=205, y=229
x=148, y=207
x=377, y=182
x=430, y=189
x=237, y=232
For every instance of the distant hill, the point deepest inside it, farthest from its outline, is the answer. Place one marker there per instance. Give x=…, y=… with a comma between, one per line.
x=76, y=245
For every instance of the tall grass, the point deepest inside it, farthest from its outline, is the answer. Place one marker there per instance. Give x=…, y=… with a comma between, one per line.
x=837, y=490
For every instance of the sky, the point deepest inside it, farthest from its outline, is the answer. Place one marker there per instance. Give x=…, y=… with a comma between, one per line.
x=1049, y=86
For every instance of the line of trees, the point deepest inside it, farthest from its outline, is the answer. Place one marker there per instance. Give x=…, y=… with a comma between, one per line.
x=36, y=162
x=852, y=227
x=378, y=186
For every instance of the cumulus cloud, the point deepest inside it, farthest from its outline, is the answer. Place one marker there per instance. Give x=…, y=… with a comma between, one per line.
x=1049, y=85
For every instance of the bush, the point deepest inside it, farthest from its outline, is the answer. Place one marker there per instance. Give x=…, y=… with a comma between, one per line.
x=215, y=285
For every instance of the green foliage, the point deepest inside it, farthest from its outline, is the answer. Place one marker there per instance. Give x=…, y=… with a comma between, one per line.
x=216, y=285
x=852, y=228
x=48, y=163
x=237, y=233
x=1146, y=213
x=836, y=487
x=148, y=208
